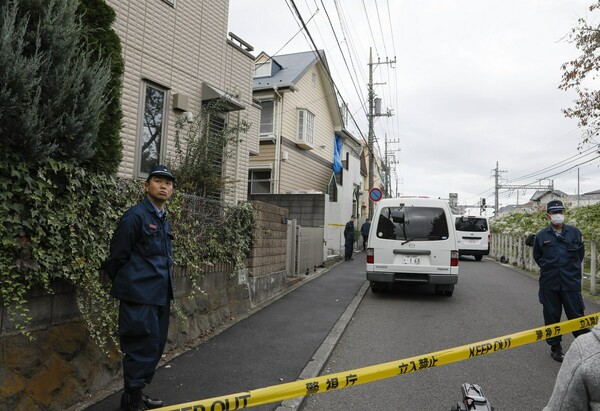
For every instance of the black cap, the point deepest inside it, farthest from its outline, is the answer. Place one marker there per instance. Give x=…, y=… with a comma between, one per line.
x=162, y=171
x=554, y=205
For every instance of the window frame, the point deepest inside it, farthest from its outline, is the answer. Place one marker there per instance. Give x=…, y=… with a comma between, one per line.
x=305, y=127
x=140, y=170
x=263, y=69
x=272, y=131
x=251, y=180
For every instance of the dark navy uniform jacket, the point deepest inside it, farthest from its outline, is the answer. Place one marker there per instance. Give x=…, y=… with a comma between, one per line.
x=559, y=258
x=349, y=231
x=141, y=257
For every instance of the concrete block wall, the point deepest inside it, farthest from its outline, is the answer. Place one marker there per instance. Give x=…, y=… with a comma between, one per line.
x=307, y=209
x=267, y=260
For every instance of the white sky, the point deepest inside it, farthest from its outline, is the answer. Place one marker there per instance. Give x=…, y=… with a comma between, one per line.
x=475, y=83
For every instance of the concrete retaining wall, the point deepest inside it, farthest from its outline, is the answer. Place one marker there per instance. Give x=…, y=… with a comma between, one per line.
x=61, y=366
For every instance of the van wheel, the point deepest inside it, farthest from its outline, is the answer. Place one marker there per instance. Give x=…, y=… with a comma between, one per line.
x=448, y=293
x=478, y=257
x=377, y=287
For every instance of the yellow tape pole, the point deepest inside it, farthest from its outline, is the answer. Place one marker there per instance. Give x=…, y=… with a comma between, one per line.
x=371, y=373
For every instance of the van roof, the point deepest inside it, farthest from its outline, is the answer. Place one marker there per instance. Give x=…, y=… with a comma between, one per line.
x=412, y=200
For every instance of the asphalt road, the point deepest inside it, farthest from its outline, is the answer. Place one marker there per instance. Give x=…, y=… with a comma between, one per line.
x=491, y=300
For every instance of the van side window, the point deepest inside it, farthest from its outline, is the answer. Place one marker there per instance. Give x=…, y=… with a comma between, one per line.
x=412, y=223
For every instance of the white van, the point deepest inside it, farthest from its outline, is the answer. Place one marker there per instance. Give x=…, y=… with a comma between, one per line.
x=473, y=236
x=412, y=241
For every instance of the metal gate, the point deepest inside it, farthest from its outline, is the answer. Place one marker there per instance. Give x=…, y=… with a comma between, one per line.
x=305, y=248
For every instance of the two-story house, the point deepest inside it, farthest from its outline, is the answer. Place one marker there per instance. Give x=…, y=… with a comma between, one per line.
x=305, y=148
x=179, y=56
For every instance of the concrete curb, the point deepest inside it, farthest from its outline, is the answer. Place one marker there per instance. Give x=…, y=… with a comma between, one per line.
x=315, y=366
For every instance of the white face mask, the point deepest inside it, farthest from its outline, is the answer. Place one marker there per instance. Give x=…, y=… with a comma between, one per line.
x=557, y=219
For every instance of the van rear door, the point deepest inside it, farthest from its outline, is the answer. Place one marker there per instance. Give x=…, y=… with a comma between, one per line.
x=411, y=239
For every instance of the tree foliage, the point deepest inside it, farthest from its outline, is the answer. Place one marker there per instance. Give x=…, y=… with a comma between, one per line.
x=104, y=43
x=586, y=218
x=52, y=93
x=580, y=72
x=201, y=147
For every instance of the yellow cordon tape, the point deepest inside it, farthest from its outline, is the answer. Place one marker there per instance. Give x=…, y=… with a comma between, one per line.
x=364, y=375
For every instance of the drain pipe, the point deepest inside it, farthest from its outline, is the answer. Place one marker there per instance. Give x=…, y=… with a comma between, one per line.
x=277, y=165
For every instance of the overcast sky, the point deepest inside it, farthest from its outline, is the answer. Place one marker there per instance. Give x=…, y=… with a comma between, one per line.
x=475, y=83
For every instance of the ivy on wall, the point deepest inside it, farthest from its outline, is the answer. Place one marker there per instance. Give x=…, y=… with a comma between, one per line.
x=57, y=222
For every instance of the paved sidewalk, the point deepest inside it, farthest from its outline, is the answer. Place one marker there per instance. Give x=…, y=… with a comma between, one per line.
x=288, y=339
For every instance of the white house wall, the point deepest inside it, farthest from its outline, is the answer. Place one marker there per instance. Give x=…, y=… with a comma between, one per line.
x=341, y=211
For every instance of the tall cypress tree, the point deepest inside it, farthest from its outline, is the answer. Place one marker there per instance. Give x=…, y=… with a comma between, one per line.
x=52, y=91
x=97, y=18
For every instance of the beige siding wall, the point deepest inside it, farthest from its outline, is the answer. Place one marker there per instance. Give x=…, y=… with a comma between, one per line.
x=180, y=48
x=302, y=172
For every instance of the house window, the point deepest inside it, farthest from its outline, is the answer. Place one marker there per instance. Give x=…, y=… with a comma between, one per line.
x=217, y=123
x=262, y=69
x=332, y=190
x=267, y=117
x=306, y=127
x=154, y=98
x=259, y=182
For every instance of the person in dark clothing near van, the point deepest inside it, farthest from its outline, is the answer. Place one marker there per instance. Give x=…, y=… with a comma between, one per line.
x=558, y=250
x=349, y=238
x=364, y=231
x=140, y=266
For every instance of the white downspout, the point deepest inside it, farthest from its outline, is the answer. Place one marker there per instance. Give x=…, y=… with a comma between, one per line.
x=277, y=165
x=237, y=162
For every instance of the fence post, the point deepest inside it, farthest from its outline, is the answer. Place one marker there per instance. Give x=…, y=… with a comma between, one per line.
x=593, y=269
x=531, y=258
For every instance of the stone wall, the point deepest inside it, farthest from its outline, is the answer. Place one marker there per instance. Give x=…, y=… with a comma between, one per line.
x=61, y=366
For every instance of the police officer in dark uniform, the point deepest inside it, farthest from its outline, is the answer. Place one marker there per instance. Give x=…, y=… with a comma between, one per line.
x=140, y=266
x=558, y=250
x=349, y=239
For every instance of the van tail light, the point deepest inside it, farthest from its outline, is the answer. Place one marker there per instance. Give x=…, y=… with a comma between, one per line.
x=370, y=256
x=489, y=240
x=454, y=258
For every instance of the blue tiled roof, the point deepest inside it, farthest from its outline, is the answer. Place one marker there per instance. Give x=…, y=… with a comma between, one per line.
x=293, y=66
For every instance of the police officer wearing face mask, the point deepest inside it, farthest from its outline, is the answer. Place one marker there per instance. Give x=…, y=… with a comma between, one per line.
x=558, y=251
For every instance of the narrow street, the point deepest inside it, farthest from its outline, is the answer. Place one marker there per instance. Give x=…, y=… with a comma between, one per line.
x=490, y=300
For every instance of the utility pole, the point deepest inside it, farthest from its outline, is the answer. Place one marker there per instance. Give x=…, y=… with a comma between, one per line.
x=371, y=117
x=498, y=186
x=387, y=186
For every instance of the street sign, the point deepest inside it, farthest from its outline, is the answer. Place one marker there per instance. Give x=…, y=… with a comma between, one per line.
x=375, y=194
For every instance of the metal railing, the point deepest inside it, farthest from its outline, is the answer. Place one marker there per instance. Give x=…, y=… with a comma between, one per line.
x=511, y=249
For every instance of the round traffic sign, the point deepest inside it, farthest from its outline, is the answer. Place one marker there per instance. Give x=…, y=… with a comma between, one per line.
x=375, y=194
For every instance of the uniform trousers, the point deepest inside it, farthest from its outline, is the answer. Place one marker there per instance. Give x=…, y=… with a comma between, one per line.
x=143, y=331
x=554, y=302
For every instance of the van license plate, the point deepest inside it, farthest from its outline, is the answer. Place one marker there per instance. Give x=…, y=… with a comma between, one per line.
x=411, y=260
